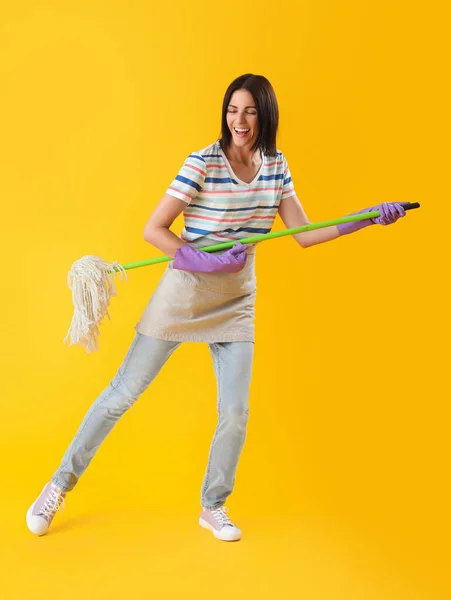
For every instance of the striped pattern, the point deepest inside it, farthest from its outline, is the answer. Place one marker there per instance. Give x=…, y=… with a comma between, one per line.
x=220, y=207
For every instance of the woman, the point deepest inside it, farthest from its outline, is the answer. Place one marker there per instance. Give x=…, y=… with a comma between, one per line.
x=230, y=190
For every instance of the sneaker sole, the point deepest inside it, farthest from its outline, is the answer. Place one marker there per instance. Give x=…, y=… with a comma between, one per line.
x=29, y=513
x=216, y=533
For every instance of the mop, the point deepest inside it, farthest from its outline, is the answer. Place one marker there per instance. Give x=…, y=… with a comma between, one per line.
x=91, y=279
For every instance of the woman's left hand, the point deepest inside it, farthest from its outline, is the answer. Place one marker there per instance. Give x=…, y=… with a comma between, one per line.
x=390, y=213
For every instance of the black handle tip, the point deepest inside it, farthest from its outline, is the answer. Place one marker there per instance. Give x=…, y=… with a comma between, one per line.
x=410, y=205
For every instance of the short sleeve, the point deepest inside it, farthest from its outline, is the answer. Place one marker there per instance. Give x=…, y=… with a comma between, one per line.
x=288, y=186
x=190, y=179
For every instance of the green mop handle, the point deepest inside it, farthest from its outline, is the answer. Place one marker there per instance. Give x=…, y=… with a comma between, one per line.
x=269, y=236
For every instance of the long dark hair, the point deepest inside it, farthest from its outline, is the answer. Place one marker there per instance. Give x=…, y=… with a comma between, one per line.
x=267, y=112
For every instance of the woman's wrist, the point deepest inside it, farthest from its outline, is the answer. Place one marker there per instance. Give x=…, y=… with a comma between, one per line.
x=165, y=240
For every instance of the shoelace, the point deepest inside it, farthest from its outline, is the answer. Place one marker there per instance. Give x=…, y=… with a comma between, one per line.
x=220, y=514
x=52, y=503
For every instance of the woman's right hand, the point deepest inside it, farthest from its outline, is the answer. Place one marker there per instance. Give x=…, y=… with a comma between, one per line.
x=188, y=258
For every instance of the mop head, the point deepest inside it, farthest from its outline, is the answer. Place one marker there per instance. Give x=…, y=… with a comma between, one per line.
x=91, y=280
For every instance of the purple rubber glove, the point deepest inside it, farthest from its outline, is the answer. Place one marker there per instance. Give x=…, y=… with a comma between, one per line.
x=390, y=212
x=188, y=258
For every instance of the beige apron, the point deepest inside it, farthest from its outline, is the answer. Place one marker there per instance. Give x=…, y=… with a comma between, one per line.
x=202, y=307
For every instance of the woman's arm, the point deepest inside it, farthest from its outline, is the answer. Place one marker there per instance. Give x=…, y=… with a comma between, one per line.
x=187, y=258
x=157, y=230
x=292, y=214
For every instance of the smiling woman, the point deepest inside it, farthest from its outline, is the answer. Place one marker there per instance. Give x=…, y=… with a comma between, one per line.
x=226, y=191
x=249, y=106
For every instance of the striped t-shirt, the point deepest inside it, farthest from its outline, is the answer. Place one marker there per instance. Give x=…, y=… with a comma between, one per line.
x=221, y=207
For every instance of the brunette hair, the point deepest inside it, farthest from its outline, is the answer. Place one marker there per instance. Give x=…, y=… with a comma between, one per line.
x=267, y=112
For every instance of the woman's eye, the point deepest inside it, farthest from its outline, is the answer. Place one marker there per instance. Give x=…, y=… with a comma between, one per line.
x=234, y=111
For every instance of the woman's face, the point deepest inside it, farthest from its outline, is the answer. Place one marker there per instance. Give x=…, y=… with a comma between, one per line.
x=242, y=119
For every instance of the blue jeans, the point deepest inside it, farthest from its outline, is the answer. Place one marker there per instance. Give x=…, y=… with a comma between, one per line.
x=146, y=356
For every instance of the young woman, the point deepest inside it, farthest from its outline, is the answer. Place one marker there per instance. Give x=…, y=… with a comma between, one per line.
x=227, y=191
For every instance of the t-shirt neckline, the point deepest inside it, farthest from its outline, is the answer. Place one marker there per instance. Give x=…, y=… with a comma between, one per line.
x=232, y=172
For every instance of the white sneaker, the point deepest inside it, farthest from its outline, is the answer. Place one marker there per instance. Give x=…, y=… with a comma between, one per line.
x=217, y=521
x=41, y=512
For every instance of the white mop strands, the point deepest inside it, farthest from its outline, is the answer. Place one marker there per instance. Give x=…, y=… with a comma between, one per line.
x=91, y=280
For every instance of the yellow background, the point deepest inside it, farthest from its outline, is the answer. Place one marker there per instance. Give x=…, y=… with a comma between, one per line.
x=342, y=487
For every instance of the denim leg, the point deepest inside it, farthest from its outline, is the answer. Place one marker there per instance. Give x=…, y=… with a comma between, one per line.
x=144, y=359
x=233, y=368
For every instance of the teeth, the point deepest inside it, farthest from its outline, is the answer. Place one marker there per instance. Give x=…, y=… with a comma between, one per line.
x=241, y=130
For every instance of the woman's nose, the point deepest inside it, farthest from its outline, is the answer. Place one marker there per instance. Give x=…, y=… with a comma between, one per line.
x=241, y=119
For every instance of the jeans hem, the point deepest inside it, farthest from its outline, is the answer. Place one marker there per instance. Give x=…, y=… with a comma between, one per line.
x=214, y=507
x=62, y=487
